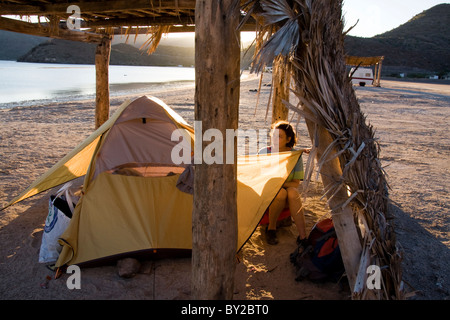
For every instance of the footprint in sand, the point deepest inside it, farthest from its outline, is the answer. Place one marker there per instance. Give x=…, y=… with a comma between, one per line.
x=36, y=237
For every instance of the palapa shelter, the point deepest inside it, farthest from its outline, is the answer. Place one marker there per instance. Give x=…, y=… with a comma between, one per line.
x=377, y=62
x=305, y=40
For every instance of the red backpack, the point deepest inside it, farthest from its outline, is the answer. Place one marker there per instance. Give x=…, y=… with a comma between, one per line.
x=321, y=260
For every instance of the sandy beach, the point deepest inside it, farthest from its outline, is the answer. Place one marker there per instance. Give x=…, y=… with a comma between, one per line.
x=411, y=122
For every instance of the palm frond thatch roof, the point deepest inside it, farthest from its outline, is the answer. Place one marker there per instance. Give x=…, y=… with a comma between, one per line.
x=363, y=61
x=101, y=18
x=98, y=19
x=108, y=13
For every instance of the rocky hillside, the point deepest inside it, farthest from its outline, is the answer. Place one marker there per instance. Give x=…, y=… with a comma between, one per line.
x=423, y=43
x=64, y=51
x=14, y=45
x=124, y=54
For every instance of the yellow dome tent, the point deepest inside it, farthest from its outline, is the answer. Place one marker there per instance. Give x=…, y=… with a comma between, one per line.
x=130, y=203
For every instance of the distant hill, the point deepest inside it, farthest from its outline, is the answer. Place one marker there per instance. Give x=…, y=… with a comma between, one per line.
x=65, y=51
x=61, y=51
x=422, y=43
x=14, y=45
x=125, y=54
x=175, y=40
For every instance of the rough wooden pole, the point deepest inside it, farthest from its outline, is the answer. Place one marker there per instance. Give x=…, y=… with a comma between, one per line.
x=280, y=85
x=214, y=217
x=375, y=75
x=102, y=54
x=343, y=220
x=379, y=72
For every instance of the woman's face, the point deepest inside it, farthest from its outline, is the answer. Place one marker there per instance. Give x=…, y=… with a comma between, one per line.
x=280, y=139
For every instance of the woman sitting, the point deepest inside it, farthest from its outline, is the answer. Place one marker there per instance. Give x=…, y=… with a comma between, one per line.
x=284, y=139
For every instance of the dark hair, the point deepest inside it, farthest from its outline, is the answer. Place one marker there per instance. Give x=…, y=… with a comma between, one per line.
x=288, y=130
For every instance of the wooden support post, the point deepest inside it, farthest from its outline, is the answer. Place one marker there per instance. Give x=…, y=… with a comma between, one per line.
x=280, y=85
x=344, y=223
x=376, y=81
x=214, y=217
x=379, y=72
x=102, y=54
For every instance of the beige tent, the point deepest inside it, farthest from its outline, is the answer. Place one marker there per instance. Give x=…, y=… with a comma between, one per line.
x=131, y=204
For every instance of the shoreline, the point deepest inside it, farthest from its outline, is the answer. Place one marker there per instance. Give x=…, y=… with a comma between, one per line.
x=117, y=91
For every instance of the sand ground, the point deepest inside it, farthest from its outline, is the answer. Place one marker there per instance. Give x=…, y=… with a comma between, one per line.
x=411, y=122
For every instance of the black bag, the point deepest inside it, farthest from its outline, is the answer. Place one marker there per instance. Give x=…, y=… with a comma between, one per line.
x=62, y=204
x=321, y=260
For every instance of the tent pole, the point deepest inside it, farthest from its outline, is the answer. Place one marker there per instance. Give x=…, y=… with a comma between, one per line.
x=214, y=217
x=102, y=54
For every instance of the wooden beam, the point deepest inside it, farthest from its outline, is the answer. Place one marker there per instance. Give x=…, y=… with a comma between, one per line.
x=95, y=6
x=102, y=55
x=143, y=30
x=378, y=73
x=182, y=21
x=214, y=217
x=178, y=24
x=45, y=31
x=146, y=21
x=178, y=29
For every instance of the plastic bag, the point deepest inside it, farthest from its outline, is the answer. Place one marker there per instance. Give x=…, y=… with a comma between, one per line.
x=60, y=209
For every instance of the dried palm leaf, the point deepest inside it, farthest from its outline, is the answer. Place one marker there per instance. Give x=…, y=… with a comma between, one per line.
x=309, y=33
x=275, y=11
x=156, y=34
x=284, y=40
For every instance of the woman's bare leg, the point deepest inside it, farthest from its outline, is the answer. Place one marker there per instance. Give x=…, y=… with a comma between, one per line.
x=276, y=208
x=297, y=212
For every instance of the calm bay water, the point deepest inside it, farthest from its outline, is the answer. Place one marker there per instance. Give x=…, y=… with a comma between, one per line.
x=25, y=84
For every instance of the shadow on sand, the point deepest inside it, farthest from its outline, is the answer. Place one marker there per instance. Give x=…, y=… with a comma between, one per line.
x=426, y=268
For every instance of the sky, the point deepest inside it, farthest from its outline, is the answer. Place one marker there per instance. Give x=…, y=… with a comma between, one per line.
x=378, y=16
x=375, y=16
